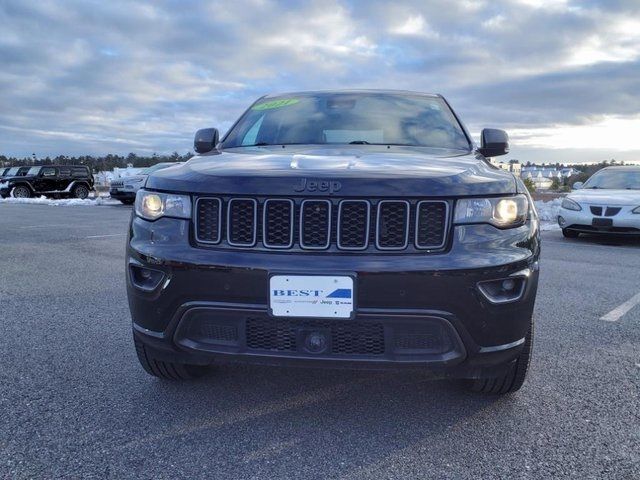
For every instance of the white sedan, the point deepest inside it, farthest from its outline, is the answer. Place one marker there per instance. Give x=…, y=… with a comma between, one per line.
x=609, y=202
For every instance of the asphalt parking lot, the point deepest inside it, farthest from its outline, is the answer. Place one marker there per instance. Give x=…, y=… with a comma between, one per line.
x=75, y=403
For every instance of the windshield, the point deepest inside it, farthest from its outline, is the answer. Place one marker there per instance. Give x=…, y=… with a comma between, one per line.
x=610, y=179
x=155, y=167
x=349, y=118
x=12, y=172
x=33, y=170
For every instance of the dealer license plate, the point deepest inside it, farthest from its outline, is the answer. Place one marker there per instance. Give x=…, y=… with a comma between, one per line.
x=316, y=296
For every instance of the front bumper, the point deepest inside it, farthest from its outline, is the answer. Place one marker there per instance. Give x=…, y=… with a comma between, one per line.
x=120, y=194
x=421, y=311
x=625, y=222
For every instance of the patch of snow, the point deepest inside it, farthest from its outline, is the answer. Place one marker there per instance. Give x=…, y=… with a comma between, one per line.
x=63, y=202
x=548, y=226
x=548, y=213
x=106, y=177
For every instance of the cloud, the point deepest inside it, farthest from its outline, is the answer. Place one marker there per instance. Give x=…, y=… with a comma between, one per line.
x=97, y=77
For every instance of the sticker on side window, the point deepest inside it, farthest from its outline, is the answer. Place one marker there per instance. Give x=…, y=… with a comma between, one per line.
x=285, y=102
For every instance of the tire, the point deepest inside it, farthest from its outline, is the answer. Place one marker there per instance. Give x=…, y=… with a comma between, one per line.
x=21, y=191
x=570, y=233
x=80, y=191
x=166, y=370
x=127, y=202
x=513, y=379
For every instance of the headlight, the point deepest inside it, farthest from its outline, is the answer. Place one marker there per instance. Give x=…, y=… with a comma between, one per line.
x=570, y=205
x=636, y=210
x=153, y=205
x=501, y=212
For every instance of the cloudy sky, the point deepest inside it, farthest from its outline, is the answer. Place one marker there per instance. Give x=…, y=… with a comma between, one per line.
x=93, y=77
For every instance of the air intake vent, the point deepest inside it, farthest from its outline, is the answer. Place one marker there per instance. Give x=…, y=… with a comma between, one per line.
x=278, y=223
x=315, y=224
x=242, y=222
x=612, y=211
x=353, y=224
x=392, y=230
x=431, y=224
x=208, y=226
x=347, y=338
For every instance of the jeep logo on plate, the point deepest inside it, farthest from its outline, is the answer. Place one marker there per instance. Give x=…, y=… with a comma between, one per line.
x=331, y=186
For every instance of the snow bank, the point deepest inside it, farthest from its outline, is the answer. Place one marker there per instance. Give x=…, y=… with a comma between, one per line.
x=64, y=202
x=548, y=212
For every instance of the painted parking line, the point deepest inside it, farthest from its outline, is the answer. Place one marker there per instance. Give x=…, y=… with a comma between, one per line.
x=105, y=236
x=42, y=226
x=615, y=314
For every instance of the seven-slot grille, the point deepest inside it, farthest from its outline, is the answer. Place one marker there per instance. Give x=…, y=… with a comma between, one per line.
x=322, y=224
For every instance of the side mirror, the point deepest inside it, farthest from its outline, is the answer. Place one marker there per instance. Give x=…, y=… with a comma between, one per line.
x=205, y=140
x=494, y=142
x=577, y=185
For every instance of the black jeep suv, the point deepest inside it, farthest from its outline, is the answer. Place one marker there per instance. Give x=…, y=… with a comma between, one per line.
x=348, y=228
x=50, y=181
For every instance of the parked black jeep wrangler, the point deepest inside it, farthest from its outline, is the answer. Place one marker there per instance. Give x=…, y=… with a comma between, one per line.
x=350, y=228
x=50, y=181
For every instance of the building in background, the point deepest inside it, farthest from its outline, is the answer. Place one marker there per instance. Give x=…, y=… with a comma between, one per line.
x=543, y=177
x=513, y=166
x=103, y=179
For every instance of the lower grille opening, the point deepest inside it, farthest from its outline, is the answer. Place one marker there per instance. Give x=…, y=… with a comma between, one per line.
x=422, y=343
x=347, y=338
x=203, y=329
x=370, y=337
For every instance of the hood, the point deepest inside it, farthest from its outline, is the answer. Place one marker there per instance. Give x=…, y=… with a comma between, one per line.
x=339, y=171
x=133, y=178
x=606, y=197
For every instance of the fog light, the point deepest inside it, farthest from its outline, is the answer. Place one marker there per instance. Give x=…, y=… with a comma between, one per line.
x=145, y=278
x=561, y=221
x=504, y=290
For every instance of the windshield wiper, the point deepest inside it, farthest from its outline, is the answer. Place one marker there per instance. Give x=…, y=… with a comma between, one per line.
x=359, y=142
